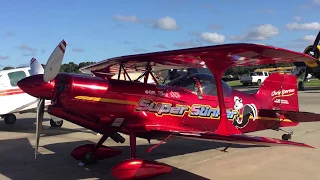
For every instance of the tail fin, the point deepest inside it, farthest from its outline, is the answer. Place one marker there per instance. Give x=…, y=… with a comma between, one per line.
x=279, y=91
x=36, y=67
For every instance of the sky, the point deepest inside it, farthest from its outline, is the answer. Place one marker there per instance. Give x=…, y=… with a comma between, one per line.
x=100, y=29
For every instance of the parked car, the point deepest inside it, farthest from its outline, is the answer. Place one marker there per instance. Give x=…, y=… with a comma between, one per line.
x=254, y=78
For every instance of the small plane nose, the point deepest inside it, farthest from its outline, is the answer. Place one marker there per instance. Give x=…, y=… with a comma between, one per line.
x=36, y=87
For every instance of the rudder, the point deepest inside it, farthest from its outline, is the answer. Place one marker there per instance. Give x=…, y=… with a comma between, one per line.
x=279, y=91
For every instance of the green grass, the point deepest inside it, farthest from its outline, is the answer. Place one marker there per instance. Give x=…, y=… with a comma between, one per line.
x=311, y=83
x=234, y=83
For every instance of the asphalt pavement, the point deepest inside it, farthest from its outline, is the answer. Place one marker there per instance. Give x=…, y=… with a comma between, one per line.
x=194, y=160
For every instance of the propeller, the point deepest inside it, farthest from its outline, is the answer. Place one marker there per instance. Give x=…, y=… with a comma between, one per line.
x=314, y=52
x=36, y=67
x=50, y=72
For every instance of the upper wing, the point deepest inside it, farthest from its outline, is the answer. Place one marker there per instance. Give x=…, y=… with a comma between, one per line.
x=240, y=54
x=293, y=116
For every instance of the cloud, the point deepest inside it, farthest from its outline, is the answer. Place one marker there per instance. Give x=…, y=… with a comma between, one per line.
x=212, y=37
x=43, y=51
x=125, y=42
x=27, y=48
x=304, y=26
x=207, y=6
x=316, y=2
x=261, y=32
x=29, y=54
x=125, y=18
x=188, y=44
x=131, y=19
x=77, y=49
x=10, y=34
x=297, y=18
x=166, y=23
x=309, y=38
x=268, y=11
x=139, y=50
x=4, y=57
x=160, y=46
x=310, y=5
x=215, y=27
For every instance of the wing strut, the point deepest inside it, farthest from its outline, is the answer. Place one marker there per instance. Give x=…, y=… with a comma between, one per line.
x=225, y=126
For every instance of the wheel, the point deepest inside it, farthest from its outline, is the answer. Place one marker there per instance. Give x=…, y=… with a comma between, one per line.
x=56, y=124
x=88, y=159
x=245, y=84
x=10, y=118
x=300, y=86
x=286, y=137
x=259, y=82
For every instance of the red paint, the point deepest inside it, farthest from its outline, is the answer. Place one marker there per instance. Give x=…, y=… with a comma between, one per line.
x=32, y=60
x=11, y=92
x=35, y=86
x=138, y=169
x=103, y=152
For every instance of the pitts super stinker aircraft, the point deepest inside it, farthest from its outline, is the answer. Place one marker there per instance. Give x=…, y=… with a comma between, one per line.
x=197, y=106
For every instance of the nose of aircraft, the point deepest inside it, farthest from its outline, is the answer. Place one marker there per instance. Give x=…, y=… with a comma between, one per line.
x=35, y=86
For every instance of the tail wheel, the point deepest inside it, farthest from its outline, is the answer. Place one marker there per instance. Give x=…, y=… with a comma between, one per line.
x=286, y=137
x=10, y=118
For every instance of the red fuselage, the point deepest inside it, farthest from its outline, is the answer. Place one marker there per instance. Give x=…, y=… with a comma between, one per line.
x=115, y=105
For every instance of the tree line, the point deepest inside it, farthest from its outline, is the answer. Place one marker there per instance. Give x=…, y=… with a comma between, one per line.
x=72, y=67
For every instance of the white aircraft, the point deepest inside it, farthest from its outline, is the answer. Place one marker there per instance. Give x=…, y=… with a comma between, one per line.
x=14, y=100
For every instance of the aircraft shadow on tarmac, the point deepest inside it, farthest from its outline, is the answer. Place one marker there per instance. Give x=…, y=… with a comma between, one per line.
x=17, y=159
x=27, y=125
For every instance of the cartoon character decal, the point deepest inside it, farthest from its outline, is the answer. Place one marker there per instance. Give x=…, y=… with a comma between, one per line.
x=247, y=111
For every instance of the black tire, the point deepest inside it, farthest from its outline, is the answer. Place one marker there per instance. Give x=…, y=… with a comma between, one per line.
x=56, y=124
x=10, y=118
x=259, y=82
x=300, y=86
x=245, y=84
x=286, y=137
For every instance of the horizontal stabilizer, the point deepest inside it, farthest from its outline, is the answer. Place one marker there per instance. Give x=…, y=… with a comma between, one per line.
x=294, y=116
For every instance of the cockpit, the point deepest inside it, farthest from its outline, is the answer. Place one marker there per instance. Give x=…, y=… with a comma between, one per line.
x=201, y=82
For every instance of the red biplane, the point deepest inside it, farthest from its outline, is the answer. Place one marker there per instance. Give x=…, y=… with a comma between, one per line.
x=196, y=106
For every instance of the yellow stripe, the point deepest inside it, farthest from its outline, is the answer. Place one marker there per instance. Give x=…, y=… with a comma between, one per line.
x=117, y=101
x=106, y=100
x=282, y=95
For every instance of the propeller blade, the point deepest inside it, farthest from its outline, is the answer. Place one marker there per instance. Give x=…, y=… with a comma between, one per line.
x=36, y=67
x=54, y=62
x=316, y=42
x=40, y=112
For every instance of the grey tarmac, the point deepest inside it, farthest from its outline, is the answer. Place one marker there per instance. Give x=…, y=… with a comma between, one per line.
x=194, y=160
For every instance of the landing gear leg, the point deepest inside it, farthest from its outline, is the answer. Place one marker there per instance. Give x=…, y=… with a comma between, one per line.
x=89, y=158
x=227, y=147
x=135, y=168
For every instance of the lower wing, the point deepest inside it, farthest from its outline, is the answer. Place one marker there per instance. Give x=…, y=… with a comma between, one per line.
x=233, y=138
x=240, y=139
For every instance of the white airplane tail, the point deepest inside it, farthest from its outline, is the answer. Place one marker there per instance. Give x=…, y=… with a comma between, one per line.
x=36, y=67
